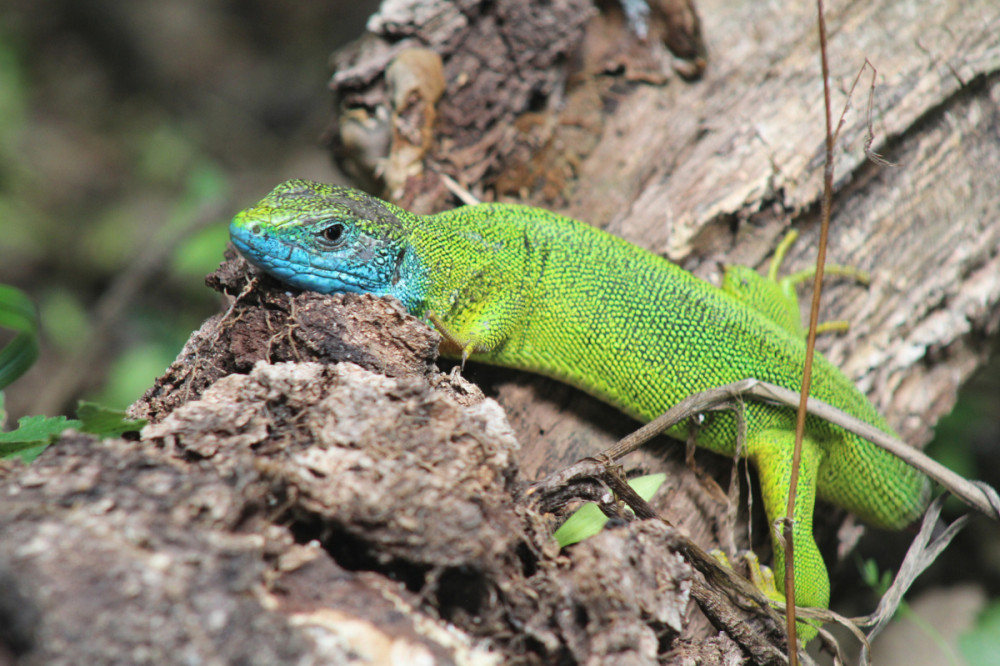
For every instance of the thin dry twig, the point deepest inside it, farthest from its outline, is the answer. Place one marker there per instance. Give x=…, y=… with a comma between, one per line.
x=800, y=423
x=976, y=494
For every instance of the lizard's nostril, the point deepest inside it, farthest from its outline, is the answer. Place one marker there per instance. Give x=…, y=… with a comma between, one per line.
x=254, y=228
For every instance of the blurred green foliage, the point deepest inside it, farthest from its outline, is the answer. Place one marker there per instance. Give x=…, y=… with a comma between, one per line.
x=879, y=582
x=972, y=409
x=34, y=433
x=69, y=257
x=13, y=101
x=122, y=128
x=981, y=646
x=966, y=439
x=17, y=313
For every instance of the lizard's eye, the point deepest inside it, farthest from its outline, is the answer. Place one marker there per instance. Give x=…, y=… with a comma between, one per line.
x=333, y=234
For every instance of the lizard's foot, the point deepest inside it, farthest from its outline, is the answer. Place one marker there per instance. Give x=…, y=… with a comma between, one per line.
x=776, y=297
x=762, y=577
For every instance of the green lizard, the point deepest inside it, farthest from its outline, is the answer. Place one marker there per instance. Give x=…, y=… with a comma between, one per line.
x=525, y=288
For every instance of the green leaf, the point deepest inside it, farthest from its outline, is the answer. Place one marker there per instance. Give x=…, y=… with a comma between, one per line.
x=28, y=453
x=585, y=523
x=589, y=520
x=33, y=434
x=17, y=312
x=105, y=422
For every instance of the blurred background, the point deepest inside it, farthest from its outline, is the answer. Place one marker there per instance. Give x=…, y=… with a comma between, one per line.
x=131, y=132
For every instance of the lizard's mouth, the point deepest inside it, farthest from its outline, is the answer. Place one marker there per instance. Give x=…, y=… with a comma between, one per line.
x=291, y=263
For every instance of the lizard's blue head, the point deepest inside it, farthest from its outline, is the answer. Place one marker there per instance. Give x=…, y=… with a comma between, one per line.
x=330, y=239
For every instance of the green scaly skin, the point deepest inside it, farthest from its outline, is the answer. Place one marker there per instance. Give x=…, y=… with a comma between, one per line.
x=525, y=288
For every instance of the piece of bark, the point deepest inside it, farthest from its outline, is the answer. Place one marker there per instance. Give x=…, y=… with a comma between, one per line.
x=320, y=512
x=272, y=324
x=127, y=558
x=110, y=539
x=506, y=66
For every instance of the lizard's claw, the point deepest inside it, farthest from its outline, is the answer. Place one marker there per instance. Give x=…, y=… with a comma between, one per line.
x=760, y=575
